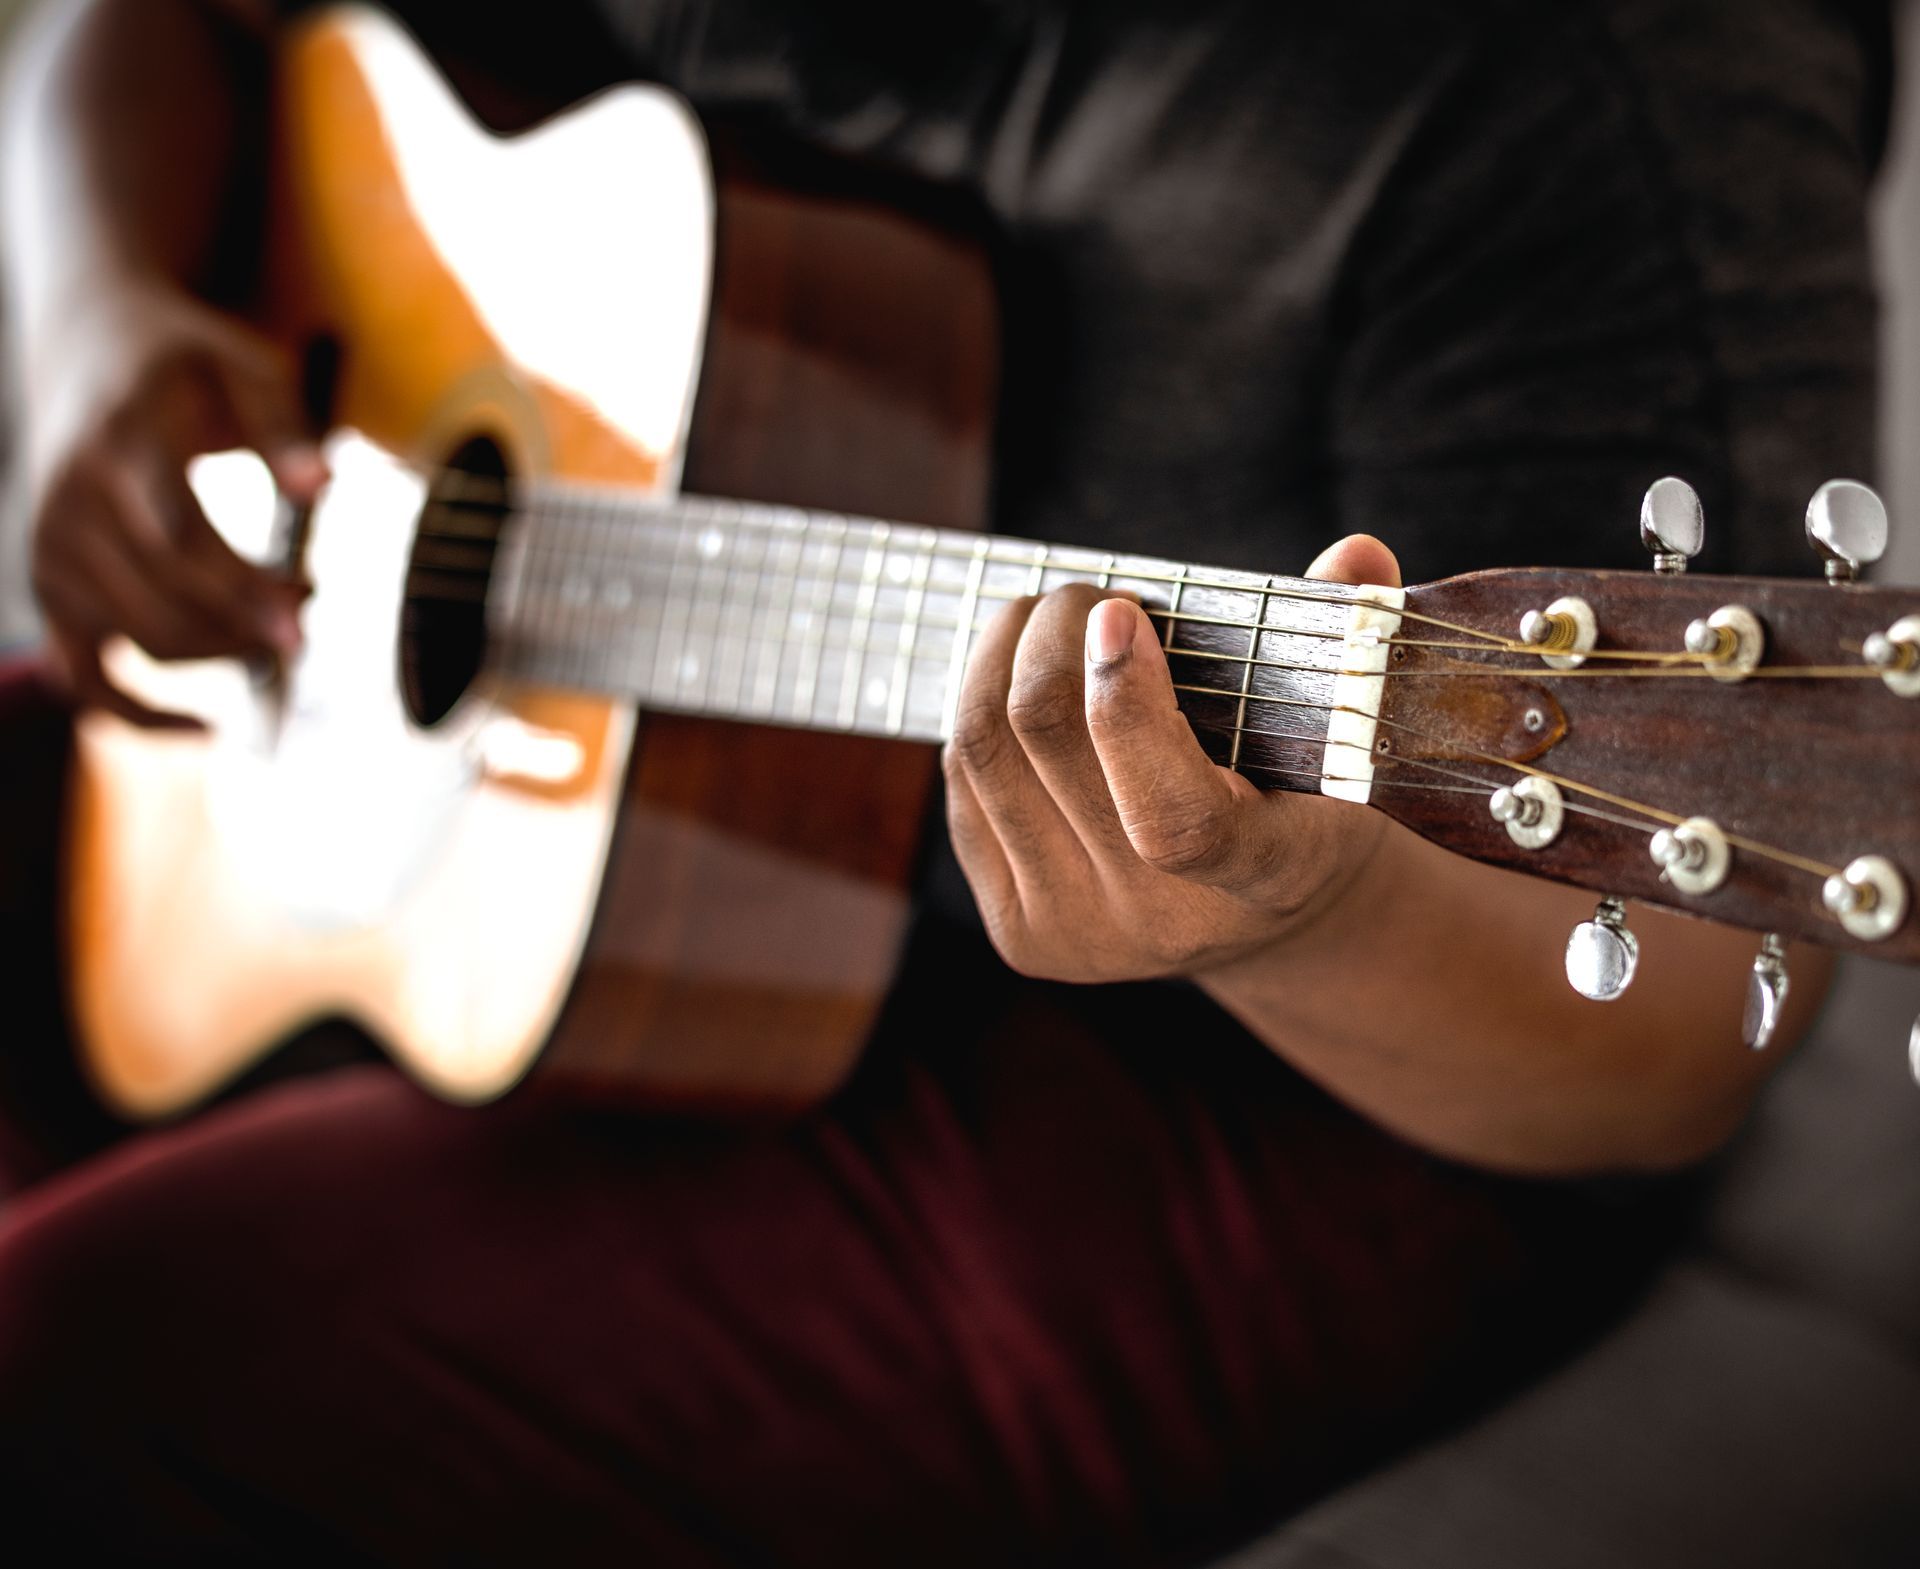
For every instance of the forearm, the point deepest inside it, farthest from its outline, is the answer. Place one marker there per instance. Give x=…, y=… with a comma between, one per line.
x=120, y=150
x=1431, y=995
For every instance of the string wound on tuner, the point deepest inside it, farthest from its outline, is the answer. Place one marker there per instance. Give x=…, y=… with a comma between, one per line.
x=1895, y=653
x=1563, y=634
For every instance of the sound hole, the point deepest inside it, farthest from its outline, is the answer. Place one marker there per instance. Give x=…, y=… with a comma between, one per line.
x=443, y=621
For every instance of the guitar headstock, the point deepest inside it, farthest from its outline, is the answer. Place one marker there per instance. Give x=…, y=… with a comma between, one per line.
x=1742, y=749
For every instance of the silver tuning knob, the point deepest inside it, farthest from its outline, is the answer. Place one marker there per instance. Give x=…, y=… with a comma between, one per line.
x=1766, y=993
x=1672, y=524
x=1913, y=1051
x=1847, y=524
x=1602, y=954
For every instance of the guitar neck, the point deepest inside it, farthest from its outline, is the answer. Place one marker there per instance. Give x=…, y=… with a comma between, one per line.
x=786, y=616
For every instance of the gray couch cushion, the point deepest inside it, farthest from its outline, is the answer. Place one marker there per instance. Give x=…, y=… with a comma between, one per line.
x=1821, y=1194
x=1762, y=1407
x=1724, y=1423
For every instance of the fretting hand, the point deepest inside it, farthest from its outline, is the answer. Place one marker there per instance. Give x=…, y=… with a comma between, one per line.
x=1100, y=841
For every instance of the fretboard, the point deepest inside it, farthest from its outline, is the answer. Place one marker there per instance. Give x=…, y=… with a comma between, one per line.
x=784, y=616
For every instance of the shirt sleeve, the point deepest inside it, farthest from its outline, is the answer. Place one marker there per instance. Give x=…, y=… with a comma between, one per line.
x=1625, y=243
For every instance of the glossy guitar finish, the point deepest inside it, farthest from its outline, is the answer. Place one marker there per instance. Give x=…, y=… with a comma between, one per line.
x=731, y=898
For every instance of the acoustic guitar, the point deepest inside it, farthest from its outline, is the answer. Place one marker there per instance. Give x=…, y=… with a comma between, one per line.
x=644, y=585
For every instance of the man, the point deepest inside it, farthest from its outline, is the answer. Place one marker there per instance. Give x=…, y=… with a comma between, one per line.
x=1037, y=1287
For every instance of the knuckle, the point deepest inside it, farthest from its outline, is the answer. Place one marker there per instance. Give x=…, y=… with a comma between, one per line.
x=1183, y=841
x=981, y=741
x=1045, y=705
x=1019, y=949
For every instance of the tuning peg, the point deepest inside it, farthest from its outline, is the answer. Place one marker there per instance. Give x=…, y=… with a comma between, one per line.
x=1913, y=1051
x=1693, y=856
x=1895, y=653
x=1847, y=524
x=1672, y=524
x=1602, y=954
x=1766, y=993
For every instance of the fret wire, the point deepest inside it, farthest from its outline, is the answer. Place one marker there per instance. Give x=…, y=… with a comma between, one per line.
x=727, y=633
x=665, y=648
x=1246, y=681
x=909, y=637
x=963, y=644
x=600, y=580
x=831, y=645
x=1173, y=610
x=559, y=497
x=818, y=614
x=1039, y=577
x=502, y=604
x=853, y=694
x=1231, y=623
x=796, y=534
x=978, y=626
x=1470, y=754
x=711, y=550
x=756, y=611
x=1782, y=672
x=963, y=546
x=543, y=625
x=641, y=650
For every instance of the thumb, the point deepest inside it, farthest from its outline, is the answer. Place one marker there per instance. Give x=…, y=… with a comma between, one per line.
x=1359, y=558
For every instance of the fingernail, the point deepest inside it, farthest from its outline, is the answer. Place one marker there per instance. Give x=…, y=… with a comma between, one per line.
x=1110, y=631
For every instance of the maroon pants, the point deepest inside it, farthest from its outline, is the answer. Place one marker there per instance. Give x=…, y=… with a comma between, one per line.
x=1052, y=1281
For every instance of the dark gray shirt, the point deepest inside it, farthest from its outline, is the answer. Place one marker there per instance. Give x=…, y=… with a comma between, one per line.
x=1466, y=274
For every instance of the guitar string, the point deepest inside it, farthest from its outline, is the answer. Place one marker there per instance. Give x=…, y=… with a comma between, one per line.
x=968, y=554
x=1185, y=579
x=1464, y=751
x=1697, y=667
x=1670, y=819
x=1691, y=663
x=1652, y=664
x=1477, y=787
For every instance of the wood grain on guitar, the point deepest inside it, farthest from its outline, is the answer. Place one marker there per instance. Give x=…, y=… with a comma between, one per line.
x=451, y=824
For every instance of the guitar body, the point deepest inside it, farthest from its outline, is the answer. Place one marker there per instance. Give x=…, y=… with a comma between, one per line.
x=664, y=910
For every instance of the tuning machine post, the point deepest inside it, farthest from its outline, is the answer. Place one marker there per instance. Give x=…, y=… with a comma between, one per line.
x=1895, y=653
x=1602, y=954
x=1532, y=811
x=1693, y=856
x=1847, y=525
x=1868, y=898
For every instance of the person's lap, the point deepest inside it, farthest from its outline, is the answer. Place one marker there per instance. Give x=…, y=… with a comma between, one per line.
x=1045, y=1284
